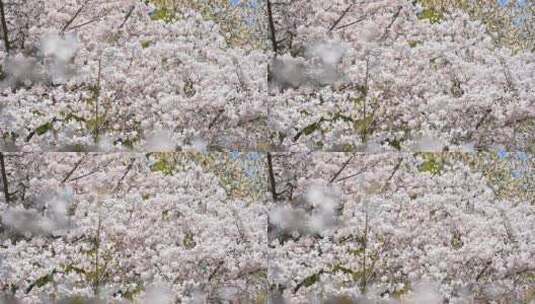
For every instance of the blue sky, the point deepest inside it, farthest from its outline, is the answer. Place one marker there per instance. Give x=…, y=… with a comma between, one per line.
x=519, y=2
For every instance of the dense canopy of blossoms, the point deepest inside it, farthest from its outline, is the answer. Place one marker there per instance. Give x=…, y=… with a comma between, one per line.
x=267, y=151
x=379, y=75
x=120, y=225
x=112, y=78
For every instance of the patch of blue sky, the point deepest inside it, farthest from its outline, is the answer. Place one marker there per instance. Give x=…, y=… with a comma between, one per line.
x=506, y=2
x=517, y=174
x=254, y=156
x=249, y=4
x=249, y=161
x=234, y=155
x=251, y=171
x=502, y=154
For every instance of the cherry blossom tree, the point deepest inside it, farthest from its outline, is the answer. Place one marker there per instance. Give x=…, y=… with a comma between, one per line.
x=267, y=151
x=384, y=75
x=100, y=75
x=396, y=227
x=124, y=227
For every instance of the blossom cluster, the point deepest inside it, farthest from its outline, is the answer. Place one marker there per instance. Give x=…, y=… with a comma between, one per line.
x=266, y=152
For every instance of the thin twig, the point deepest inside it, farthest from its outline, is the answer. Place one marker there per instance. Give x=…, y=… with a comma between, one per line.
x=483, y=118
x=96, y=281
x=64, y=28
x=212, y=123
x=363, y=282
x=366, y=85
x=85, y=23
x=357, y=173
x=162, y=274
x=396, y=15
x=4, y=27
x=128, y=168
x=127, y=16
x=341, y=17
x=480, y=274
x=214, y=272
x=4, y=177
x=271, y=177
x=341, y=169
x=272, y=27
x=352, y=22
x=396, y=168
x=97, y=95
x=90, y=173
x=73, y=169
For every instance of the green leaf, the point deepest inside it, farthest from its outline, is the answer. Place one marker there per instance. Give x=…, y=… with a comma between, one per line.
x=71, y=268
x=432, y=164
x=395, y=143
x=311, y=128
x=42, y=281
x=311, y=280
x=162, y=14
x=414, y=43
x=189, y=242
x=93, y=123
x=189, y=89
x=42, y=129
x=362, y=126
x=162, y=165
x=145, y=44
x=456, y=241
x=432, y=15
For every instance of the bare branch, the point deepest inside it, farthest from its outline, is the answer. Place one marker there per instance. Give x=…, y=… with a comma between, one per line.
x=396, y=168
x=216, y=117
x=64, y=28
x=85, y=23
x=272, y=27
x=91, y=172
x=342, y=15
x=352, y=22
x=73, y=169
x=271, y=177
x=4, y=27
x=4, y=176
x=128, y=168
x=396, y=15
x=341, y=169
x=127, y=16
x=97, y=95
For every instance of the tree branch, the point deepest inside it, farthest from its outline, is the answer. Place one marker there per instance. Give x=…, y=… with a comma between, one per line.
x=341, y=169
x=272, y=27
x=73, y=169
x=4, y=27
x=271, y=177
x=352, y=22
x=4, y=175
x=396, y=15
x=127, y=16
x=97, y=95
x=341, y=17
x=396, y=168
x=128, y=168
x=64, y=28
